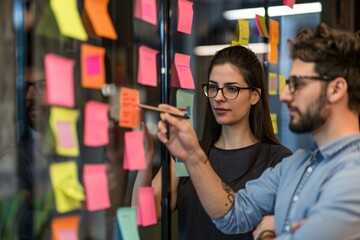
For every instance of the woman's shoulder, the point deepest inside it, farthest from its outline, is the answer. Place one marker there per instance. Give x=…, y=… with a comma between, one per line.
x=276, y=152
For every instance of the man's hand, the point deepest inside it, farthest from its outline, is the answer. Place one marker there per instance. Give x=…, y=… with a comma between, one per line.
x=267, y=223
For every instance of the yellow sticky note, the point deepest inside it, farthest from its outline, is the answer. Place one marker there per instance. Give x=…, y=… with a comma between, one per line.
x=274, y=122
x=235, y=43
x=63, y=125
x=68, y=19
x=68, y=191
x=272, y=83
x=282, y=83
x=244, y=32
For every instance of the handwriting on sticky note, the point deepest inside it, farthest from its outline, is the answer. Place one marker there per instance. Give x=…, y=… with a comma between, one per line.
x=126, y=218
x=185, y=16
x=96, y=129
x=147, y=70
x=182, y=76
x=67, y=189
x=134, y=152
x=146, y=11
x=63, y=125
x=65, y=228
x=97, y=11
x=129, y=112
x=92, y=66
x=59, y=76
x=146, y=212
x=68, y=18
x=96, y=187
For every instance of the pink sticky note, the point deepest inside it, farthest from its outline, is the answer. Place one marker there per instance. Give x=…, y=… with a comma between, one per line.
x=147, y=73
x=182, y=76
x=65, y=135
x=96, y=124
x=59, y=78
x=96, y=187
x=134, y=153
x=146, y=211
x=146, y=10
x=289, y=3
x=67, y=234
x=93, y=65
x=185, y=16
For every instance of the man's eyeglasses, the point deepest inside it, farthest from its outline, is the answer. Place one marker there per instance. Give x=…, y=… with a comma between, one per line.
x=229, y=92
x=295, y=83
x=39, y=86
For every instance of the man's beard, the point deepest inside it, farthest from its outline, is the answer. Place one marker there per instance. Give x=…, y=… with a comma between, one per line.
x=314, y=117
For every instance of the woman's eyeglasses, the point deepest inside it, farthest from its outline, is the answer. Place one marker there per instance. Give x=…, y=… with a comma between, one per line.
x=229, y=92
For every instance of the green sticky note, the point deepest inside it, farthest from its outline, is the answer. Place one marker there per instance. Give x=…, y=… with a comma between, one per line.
x=185, y=102
x=126, y=217
x=180, y=169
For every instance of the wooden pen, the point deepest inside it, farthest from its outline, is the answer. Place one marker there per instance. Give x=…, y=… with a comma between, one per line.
x=152, y=108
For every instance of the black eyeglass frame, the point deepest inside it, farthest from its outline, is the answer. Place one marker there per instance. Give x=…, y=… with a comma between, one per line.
x=293, y=84
x=38, y=85
x=205, y=87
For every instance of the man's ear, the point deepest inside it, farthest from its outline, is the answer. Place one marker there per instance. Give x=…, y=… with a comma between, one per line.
x=255, y=96
x=337, y=89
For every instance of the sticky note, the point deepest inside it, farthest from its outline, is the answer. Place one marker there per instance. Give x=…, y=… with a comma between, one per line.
x=97, y=12
x=67, y=190
x=261, y=25
x=274, y=31
x=182, y=76
x=63, y=125
x=180, y=168
x=126, y=218
x=282, y=83
x=59, y=77
x=146, y=11
x=273, y=53
x=65, y=228
x=185, y=16
x=92, y=66
x=244, y=32
x=134, y=152
x=96, y=129
x=274, y=122
x=147, y=70
x=96, y=187
x=272, y=83
x=146, y=211
x=68, y=19
x=185, y=101
x=289, y=3
x=129, y=111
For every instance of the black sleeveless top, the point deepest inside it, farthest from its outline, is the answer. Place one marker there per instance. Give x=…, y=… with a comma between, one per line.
x=235, y=167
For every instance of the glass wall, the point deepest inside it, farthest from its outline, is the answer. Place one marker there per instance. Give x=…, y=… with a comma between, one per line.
x=73, y=73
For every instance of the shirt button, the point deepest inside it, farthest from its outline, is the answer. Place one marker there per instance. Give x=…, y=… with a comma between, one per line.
x=295, y=198
x=287, y=228
x=310, y=169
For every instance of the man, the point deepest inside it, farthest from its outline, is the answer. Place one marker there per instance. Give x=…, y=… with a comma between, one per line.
x=314, y=194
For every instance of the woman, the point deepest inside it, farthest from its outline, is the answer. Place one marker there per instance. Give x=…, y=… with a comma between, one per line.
x=237, y=131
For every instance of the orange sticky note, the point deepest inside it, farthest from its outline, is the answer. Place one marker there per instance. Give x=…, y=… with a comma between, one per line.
x=182, y=76
x=92, y=66
x=96, y=187
x=129, y=112
x=289, y=3
x=59, y=77
x=146, y=212
x=147, y=71
x=273, y=83
x=273, y=53
x=134, y=153
x=274, y=31
x=146, y=10
x=261, y=26
x=65, y=228
x=96, y=124
x=97, y=11
x=185, y=16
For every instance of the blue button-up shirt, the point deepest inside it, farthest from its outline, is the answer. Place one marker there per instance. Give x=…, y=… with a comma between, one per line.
x=320, y=185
